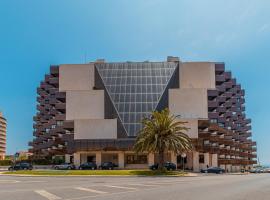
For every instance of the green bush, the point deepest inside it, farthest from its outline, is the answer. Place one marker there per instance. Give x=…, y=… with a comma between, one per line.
x=41, y=162
x=5, y=162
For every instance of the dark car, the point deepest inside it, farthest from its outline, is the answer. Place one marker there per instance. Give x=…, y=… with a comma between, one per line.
x=168, y=165
x=88, y=165
x=65, y=166
x=216, y=170
x=21, y=166
x=107, y=165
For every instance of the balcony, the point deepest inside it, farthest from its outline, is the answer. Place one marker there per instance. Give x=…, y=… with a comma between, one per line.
x=69, y=125
x=53, y=90
x=219, y=68
x=220, y=78
x=221, y=99
x=221, y=109
x=60, y=95
x=242, y=92
x=247, y=121
x=54, y=70
x=228, y=84
x=212, y=104
x=221, y=88
x=228, y=104
x=221, y=120
x=212, y=93
x=60, y=106
x=60, y=117
x=228, y=75
x=213, y=115
x=54, y=81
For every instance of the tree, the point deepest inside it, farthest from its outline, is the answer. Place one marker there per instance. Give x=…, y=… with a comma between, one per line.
x=162, y=132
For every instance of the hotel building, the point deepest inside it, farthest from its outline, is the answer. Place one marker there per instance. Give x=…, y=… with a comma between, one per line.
x=92, y=112
x=3, y=131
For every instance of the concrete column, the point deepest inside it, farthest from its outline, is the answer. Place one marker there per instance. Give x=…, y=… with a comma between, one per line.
x=189, y=160
x=228, y=168
x=67, y=158
x=121, y=159
x=195, y=163
x=151, y=159
x=98, y=158
x=214, y=160
x=77, y=159
x=206, y=159
x=174, y=158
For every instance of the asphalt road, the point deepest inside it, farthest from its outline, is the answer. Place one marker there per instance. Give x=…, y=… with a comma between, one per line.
x=205, y=187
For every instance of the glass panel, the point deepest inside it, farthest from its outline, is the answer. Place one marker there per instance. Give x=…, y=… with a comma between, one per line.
x=135, y=89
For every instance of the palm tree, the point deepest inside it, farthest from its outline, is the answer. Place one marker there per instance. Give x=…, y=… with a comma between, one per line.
x=162, y=132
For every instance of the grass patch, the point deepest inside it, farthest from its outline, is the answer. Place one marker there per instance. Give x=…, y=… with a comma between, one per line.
x=98, y=173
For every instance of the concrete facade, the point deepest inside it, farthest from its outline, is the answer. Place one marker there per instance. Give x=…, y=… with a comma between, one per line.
x=95, y=129
x=182, y=100
x=93, y=112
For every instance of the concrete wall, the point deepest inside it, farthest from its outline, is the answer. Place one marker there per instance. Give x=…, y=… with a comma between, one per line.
x=95, y=129
x=189, y=103
x=76, y=77
x=85, y=104
x=197, y=75
x=192, y=124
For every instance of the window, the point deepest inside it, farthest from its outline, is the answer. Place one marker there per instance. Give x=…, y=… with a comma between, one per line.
x=136, y=159
x=201, y=158
x=213, y=120
x=59, y=123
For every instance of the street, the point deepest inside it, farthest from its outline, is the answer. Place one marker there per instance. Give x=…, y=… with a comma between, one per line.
x=208, y=187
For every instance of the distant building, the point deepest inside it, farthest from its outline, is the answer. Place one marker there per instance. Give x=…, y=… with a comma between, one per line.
x=92, y=112
x=3, y=132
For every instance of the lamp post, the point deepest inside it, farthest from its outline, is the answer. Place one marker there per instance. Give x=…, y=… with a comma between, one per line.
x=183, y=155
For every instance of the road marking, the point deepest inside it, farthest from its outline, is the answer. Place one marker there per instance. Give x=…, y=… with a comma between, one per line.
x=47, y=195
x=9, y=181
x=137, y=184
x=90, y=190
x=121, y=187
x=34, y=181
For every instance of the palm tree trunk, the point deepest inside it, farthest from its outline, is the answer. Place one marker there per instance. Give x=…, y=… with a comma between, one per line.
x=160, y=160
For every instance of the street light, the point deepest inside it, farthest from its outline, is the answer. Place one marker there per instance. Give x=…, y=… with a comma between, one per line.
x=183, y=155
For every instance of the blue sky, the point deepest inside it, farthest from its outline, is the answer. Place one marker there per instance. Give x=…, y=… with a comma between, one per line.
x=37, y=33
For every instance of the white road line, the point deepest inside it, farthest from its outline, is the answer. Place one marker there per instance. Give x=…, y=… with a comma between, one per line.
x=90, y=190
x=34, y=181
x=137, y=184
x=9, y=181
x=47, y=195
x=121, y=187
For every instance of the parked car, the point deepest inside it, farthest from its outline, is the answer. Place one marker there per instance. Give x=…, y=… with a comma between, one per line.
x=168, y=165
x=88, y=165
x=21, y=166
x=267, y=170
x=65, y=166
x=107, y=165
x=256, y=170
x=216, y=170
